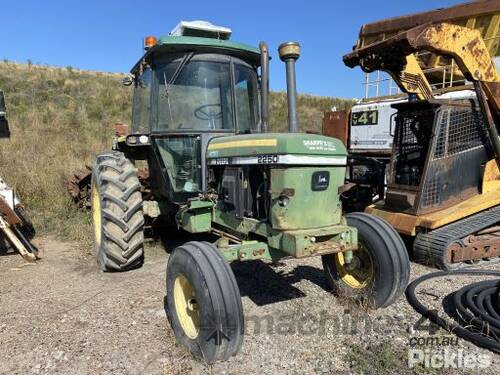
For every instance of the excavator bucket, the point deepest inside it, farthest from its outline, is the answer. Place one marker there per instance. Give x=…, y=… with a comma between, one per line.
x=482, y=16
x=396, y=55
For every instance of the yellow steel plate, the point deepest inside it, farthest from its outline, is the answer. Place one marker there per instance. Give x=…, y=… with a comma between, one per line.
x=407, y=224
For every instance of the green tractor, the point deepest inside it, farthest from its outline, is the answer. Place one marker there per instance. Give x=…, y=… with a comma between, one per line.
x=199, y=119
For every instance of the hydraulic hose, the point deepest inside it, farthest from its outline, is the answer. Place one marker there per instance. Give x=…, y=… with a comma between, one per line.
x=476, y=308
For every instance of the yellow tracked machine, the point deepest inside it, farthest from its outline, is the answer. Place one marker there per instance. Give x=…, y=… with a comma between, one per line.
x=443, y=183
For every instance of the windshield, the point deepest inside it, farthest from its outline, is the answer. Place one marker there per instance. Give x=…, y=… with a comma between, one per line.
x=199, y=94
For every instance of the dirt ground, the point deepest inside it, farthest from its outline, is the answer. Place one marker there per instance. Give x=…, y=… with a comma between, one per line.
x=63, y=316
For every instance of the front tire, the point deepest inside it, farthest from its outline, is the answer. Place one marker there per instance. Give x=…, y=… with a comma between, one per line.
x=117, y=214
x=380, y=269
x=203, y=302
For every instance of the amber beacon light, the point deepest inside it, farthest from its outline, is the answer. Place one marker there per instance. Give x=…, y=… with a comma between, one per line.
x=149, y=41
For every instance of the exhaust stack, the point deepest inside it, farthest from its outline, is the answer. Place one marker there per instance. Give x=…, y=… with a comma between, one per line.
x=289, y=53
x=264, y=83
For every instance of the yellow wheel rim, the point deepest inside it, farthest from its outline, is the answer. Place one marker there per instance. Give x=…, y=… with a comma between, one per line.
x=186, y=307
x=359, y=275
x=96, y=214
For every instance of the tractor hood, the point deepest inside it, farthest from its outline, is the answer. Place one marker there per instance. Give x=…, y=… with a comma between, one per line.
x=277, y=148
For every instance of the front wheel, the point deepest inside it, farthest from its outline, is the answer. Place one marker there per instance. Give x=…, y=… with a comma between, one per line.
x=203, y=302
x=379, y=269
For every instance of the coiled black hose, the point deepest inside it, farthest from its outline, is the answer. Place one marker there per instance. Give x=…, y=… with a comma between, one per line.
x=476, y=308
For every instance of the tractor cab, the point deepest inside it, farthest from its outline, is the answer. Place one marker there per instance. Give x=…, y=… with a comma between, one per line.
x=190, y=86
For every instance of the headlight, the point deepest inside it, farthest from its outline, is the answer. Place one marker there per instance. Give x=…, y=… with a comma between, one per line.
x=283, y=200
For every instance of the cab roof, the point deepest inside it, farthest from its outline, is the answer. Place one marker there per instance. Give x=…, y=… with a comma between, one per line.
x=171, y=43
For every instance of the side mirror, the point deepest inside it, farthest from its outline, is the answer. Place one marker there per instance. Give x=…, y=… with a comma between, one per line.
x=128, y=80
x=4, y=125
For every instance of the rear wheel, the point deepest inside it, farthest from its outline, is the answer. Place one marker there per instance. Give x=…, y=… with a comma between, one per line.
x=117, y=213
x=379, y=270
x=203, y=302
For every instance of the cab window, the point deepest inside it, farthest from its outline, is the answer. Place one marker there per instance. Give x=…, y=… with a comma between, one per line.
x=141, y=105
x=246, y=93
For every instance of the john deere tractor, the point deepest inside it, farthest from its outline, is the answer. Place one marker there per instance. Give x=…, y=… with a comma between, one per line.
x=200, y=113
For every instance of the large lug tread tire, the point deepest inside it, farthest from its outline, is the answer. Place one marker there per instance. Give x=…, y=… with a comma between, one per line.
x=389, y=258
x=121, y=245
x=221, y=321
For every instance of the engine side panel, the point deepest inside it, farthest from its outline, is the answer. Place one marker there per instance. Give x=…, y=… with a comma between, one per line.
x=305, y=197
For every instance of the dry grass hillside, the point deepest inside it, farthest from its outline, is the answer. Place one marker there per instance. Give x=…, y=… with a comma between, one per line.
x=61, y=117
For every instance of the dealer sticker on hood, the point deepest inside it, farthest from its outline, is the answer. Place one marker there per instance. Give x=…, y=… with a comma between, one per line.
x=319, y=145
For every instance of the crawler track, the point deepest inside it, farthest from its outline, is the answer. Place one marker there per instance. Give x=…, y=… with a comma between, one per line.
x=433, y=248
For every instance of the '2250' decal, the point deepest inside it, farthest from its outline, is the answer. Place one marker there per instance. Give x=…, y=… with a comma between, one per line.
x=267, y=159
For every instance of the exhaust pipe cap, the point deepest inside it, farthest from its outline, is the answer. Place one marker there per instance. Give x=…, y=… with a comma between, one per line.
x=289, y=50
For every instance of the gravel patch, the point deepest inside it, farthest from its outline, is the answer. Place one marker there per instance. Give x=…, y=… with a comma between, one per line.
x=63, y=316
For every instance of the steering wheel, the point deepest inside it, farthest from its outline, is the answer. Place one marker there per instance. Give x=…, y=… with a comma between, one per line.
x=208, y=113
